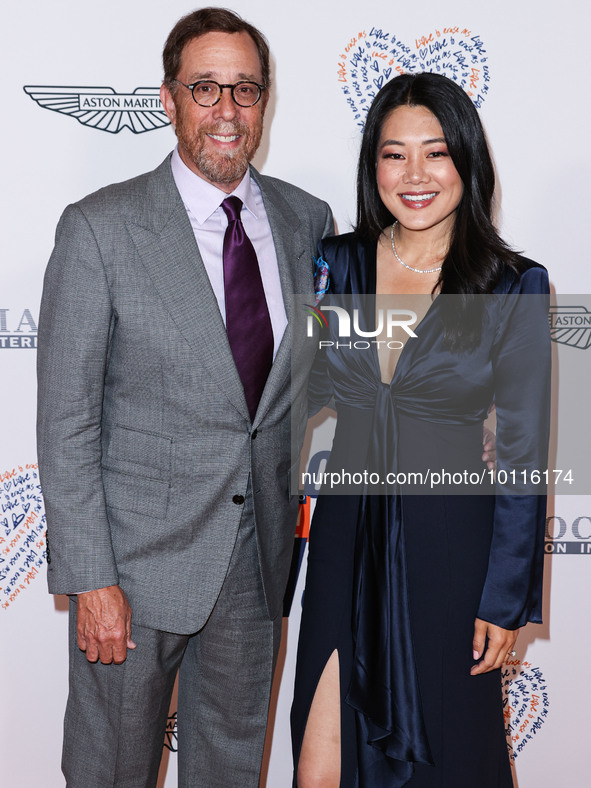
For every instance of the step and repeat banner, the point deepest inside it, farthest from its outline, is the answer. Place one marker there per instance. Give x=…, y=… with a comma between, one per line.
x=81, y=110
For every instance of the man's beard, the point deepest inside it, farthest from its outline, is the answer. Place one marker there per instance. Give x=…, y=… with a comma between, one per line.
x=219, y=167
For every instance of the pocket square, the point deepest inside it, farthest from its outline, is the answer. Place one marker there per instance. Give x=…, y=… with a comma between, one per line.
x=321, y=279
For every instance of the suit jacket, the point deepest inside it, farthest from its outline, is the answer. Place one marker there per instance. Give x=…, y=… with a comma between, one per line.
x=145, y=442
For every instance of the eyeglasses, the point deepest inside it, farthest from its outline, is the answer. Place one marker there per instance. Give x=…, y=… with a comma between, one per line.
x=207, y=93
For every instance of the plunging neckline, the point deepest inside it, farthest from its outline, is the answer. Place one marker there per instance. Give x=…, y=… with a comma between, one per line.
x=404, y=352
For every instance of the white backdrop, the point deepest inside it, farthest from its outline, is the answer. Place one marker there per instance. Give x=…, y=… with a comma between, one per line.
x=527, y=68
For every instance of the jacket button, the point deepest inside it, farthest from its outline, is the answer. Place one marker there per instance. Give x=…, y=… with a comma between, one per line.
x=253, y=434
x=238, y=499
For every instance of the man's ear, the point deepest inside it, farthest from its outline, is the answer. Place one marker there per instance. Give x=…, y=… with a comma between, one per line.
x=168, y=103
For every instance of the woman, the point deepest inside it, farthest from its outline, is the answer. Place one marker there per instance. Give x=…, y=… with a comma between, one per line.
x=413, y=601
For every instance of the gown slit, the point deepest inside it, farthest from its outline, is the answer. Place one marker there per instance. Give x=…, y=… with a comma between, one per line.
x=316, y=687
x=330, y=632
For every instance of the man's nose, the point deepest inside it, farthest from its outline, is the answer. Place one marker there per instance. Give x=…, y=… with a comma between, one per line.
x=226, y=107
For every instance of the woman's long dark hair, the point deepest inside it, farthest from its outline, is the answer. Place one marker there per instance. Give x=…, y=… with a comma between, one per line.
x=476, y=254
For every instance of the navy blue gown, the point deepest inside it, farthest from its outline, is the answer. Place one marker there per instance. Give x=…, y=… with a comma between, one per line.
x=394, y=582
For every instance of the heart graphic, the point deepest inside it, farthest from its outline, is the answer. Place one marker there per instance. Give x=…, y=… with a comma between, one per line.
x=22, y=532
x=525, y=700
x=369, y=60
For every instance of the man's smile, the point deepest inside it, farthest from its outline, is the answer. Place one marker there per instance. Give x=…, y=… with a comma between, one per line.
x=224, y=138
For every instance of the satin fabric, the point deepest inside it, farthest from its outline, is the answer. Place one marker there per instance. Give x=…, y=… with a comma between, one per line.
x=510, y=366
x=248, y=323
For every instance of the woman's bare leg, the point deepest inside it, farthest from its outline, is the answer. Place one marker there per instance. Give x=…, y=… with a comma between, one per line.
x=320, y=757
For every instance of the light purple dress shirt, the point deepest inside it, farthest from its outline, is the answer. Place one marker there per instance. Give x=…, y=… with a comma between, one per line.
x=203, y=203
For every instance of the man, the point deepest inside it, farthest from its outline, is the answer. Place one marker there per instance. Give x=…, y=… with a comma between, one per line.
x=164, y=428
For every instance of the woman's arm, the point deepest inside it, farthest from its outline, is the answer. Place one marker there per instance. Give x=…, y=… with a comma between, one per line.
x=512, y=593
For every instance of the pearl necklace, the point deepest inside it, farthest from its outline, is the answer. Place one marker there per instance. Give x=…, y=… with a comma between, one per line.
x=410, y=268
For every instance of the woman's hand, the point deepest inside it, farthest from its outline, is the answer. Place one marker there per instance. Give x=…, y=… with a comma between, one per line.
x=489, y=449
x=500, y=643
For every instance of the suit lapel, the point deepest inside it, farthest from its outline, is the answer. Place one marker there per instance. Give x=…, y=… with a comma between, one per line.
x=166, y=244
x=295, y=276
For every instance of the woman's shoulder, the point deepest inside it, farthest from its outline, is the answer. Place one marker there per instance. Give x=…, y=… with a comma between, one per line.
x=345, y=245
x=350, y=260
x=524, y=276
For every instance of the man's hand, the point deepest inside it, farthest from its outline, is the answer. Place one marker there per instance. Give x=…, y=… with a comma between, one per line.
x=104, y=625
x=489, y=446
x=500, y=643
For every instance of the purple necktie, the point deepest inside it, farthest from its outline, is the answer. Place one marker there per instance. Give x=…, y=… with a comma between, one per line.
x=247, y=318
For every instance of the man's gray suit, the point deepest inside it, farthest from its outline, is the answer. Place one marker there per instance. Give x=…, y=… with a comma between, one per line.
x=146, y=450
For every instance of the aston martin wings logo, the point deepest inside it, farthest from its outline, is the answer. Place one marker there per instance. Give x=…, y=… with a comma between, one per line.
x=102, y=108
x=570, y=325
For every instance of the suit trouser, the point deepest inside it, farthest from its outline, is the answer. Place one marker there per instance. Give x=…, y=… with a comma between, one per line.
x=116, y=714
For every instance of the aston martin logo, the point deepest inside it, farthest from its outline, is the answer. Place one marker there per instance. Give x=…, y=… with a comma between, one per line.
x=102, y=108
x=170, y=734
x=570, y=325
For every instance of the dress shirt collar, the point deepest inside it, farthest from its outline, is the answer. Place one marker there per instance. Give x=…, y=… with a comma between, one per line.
x=202, y=198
